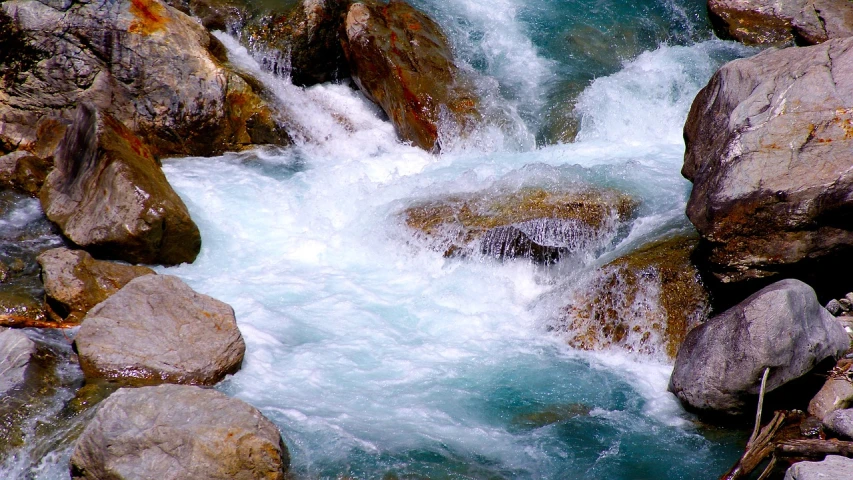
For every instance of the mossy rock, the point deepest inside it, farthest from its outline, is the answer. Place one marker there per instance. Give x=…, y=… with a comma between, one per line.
x=457, y=224
x=645, y=301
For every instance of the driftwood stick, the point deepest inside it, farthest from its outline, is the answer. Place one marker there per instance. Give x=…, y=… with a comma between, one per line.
x=760, y=406
x=814, y=448
x=769, y=470
x=758, y=450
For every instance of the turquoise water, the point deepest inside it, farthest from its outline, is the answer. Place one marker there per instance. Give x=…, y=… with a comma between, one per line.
x=380, y=358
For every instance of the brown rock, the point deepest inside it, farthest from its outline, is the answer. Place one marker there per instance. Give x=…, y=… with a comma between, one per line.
x=158, y=330
x=836, y=393
x=74, y=282
x=176, y=432
x=402, y=61
x=530, y=222
x=108, y=194
x=763, y=22
x=645, y=301
x=150, y=66
x=771, y=185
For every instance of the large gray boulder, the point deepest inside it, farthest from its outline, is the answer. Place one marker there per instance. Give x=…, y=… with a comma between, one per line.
x=74, y=282
x=782, y=327
x=108, y=195
x=16, y=352
x=158, y=330
x=768, y=151
x=153, y=68
x=770, y=22
x=833, y=467
x=176, y=432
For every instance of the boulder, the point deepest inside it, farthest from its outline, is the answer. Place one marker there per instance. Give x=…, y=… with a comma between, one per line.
x=158, y=330
x=645, y=301
x=16, y=352
x=763, y=22
x=530, y=222
x=836, y=393
x=176, y=432
x=771, y=185
x=840, y=422
x=74, y=282
x=150, y=66
x=781, y=327
x=401, y=60
x=832, y=467
x=304, y=43
x=108, y=195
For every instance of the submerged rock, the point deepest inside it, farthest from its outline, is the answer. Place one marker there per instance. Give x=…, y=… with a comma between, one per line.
x=551, y=414
x=304, y=43
x=763, y=22
x=74, y=282
x=149, y=65
x=158, y=330
x=108, y=195
x=832, y=467
x=402, y=61
x=645, y=301
x=771, y=186
x=174, y=432
x=781, y=327
x=531, y=222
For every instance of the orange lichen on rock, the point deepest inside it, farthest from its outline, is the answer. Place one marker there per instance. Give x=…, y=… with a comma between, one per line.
x=150, y=16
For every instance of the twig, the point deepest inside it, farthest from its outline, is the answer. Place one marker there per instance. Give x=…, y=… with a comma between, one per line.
x=760, y=406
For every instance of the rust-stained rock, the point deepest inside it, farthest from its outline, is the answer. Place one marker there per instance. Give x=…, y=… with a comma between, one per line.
x=402, y=61
x=645, y=301
x=150, y=66
x=532, y=222
x=74, y=282
x=764, y=22
x=108, y=195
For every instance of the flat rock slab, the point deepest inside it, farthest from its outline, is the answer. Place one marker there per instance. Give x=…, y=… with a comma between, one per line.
x=74, y=282
x=781, y=327
x=158, y=330
x=16, y=352
x=834, y=467
x=178, y=432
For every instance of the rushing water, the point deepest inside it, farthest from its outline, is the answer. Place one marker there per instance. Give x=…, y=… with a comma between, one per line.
x=380, y=358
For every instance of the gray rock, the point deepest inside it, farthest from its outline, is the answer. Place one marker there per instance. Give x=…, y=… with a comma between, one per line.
x=175, y=432
x=74, y=282
x=771, y=185
x=836, y=393
x=834, y=307
x=840, y=422
x=783, y=327
x=158, y=330
x=766, y=22
x=833, y=467
x=108, y=195
x=153, y=68
x=16, y=351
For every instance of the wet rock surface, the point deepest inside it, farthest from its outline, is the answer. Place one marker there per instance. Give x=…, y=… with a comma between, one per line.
x=781, y=327
x=402, y=61
x=645, y=301
x=760, y=22
x=74, y=282
x=531, y=222
x=303, y=43
x=108, y=195
x=173, y=432
x=150, y=66
x=771, y=186
x=16, y=352
x=156, y=329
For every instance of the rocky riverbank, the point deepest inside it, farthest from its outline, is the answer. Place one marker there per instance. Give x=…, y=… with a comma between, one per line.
x=100, y=92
